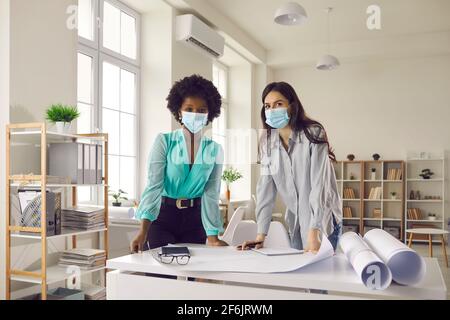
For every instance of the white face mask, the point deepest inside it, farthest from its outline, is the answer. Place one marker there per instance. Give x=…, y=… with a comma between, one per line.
x=193, y=121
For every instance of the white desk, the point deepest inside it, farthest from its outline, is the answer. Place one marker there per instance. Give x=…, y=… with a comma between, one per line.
x=334, y=274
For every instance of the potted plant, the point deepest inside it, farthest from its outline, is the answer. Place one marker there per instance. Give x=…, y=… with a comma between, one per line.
x=230, y=175
x=432, y=216
x=117, y=197
x=426, y=174
x=62, y=116
x=393, y=195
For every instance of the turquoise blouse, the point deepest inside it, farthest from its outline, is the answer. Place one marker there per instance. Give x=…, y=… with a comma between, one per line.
x=169, y=175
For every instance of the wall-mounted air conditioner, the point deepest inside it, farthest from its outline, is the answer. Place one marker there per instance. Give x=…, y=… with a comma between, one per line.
x=191, y=30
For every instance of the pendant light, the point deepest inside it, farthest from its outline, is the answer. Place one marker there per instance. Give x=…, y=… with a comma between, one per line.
x=290, y=14
x=328, y=61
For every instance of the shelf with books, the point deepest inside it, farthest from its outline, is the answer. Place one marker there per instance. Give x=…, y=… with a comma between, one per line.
x=384, y=196
x=425, y=192
x=349, y=175
x=48, y=208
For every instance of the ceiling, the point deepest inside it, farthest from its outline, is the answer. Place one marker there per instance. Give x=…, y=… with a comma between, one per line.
x=348, y=20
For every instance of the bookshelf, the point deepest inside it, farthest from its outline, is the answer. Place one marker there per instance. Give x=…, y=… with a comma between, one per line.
x=349, y=179
x=383, y=204
x=37, y=135
x=418, y=209
x=369, y=210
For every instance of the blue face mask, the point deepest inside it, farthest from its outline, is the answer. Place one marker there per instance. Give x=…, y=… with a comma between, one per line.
x=194, y=122
x=277, y=118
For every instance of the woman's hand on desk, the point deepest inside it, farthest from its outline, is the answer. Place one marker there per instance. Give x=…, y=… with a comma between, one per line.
x=313, y=244
x=214, y=241
x=257, y=244
x=138, y=242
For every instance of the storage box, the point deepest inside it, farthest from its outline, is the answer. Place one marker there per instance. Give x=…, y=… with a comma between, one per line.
x=394, y=231
x=350, y=228
x=67, y=160
x=58, y=294
x=30, y=201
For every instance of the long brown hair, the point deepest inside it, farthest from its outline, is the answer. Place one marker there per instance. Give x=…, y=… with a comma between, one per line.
x=298, y=121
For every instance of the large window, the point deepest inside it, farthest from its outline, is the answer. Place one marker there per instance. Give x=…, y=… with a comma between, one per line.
x=219, y=126
x=108, y=85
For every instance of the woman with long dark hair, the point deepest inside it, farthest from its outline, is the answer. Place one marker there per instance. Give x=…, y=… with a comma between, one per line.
x=296, y=162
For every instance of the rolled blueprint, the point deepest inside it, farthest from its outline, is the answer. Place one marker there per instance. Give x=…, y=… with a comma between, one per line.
x=407, y=267
x=372, y=271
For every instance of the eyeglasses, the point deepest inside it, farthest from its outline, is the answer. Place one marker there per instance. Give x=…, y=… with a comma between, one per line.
x=168, y=259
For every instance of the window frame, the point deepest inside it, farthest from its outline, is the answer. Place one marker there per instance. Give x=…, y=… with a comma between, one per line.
x=130, y=68
x=121, y=6
x=99, y=53
x=96, y=25
x=225, y=104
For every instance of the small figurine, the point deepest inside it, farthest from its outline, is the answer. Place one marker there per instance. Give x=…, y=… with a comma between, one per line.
x=411, y=195
x=418, y=197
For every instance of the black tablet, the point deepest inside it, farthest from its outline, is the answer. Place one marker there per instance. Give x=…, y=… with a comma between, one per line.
x=175, y=251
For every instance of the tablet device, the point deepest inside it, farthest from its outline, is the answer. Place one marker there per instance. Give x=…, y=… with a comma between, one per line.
x=175, y=251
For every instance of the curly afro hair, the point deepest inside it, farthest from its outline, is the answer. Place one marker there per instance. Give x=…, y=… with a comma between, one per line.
x=194, y=86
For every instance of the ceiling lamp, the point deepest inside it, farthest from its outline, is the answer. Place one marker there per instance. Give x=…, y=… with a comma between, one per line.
x=290, y=14
x=328, y=61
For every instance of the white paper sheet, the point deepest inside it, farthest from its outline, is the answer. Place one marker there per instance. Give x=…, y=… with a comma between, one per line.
x=372, y=271
x=407, y=267
x=229, y=259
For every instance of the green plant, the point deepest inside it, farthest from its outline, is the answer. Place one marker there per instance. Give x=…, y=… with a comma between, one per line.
x=62, y=113
x=231, y=175
x=118, y=195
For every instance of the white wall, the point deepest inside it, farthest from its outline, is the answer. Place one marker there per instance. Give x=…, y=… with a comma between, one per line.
x=4, y=119
x=384, y=106
x=240, y=125
x=43, y=71
x=156, y=80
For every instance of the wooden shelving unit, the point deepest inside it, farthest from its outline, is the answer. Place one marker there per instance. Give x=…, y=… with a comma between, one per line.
x=391, y=210
x=435, y=186
x=37, y=133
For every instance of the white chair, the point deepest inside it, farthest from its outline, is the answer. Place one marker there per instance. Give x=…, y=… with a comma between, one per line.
x=245, y=230
x=277, y=237
x=234, y=221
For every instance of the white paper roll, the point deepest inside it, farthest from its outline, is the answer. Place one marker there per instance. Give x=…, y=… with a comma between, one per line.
x=407, y=267
x=372, y=271
x=121, y=212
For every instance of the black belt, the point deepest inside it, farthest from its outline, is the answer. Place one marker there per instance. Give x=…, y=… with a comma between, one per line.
x=181, y=203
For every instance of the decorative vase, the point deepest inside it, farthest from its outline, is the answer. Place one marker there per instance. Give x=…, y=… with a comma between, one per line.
x=62, y=127
x=393, y=197
x=117, y=204
x=374, y=175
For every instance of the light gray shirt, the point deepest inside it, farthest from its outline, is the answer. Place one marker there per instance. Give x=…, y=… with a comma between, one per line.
x=305, y=179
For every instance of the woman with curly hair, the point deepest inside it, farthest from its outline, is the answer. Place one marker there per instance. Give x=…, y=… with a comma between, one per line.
x=180, y=203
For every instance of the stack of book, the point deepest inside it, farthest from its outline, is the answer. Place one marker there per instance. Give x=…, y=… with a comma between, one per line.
x=394, y=174
x=347, y=212
x=414, y=214
x=375, y=193
x=83, y=218
x=85, y=259
x=376, y=213
x=93, y=292
x=349, y=193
